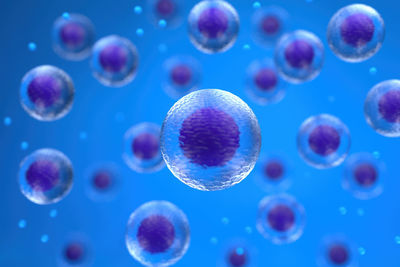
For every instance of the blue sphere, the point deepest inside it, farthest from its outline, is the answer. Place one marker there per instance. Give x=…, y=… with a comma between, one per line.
x=75, y=250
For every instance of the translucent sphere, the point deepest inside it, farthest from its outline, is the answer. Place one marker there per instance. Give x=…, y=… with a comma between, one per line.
x=337, y=251
x=263, y=83
x=362, y=176
x=299, y=56
x=47, y=93
x=323, y=141
x=45, y=176
x=114, y=61
x=268, y=24
x=157, y=234
x=356, y=32
x=273, y=173
x=382, y=108
x=168, y=10
x=210, y=139
x=73, y=37
x=280, y=219
x=237, y=254
x=182, y=75
x=75, y=251
x=213, y=26
x=142, y=148
x=102, y=181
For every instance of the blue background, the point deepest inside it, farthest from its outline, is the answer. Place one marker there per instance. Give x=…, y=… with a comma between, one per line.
x=104, y=114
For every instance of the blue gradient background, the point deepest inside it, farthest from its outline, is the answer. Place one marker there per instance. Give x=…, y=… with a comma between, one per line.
x=95, y=111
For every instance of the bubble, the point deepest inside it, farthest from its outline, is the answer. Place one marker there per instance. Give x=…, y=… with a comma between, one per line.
x=373, y=70
x=168, y=11
x=397, y=239
x=139, y=32
x=75, y=250
x=342, y=210
x=114, y=61
x=299, y=56
x=356, y=32
x=65, y=15
x=138, y=10
x=280, y=219
x=44, y=238
x=7, y=121
x=246, y=47
x=337, y=251
x=210, y=139
x=213, y=26
x=273, y=173
x=73, y=36
x=45, y=176
x=256, y=5
x=162, y=23
x=47, y=93
x=53, y=213
x=32, y=46
x=157, y=234
x=323, y=141
x=102, y=181
x=24, y=145
x=22, y=223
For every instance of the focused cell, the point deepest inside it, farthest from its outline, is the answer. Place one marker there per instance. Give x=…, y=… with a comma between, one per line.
x=210, y=139
x=142, y=148
x=382, y=108
x=263, y=83
x=47, y=93
x=169, y=11
x=73, y=36
x=75, y=250
x=114, y=61
x=182, y=75
x=213, y=26
x=103, y=181
x=280, y=219
x=273, y=173
x=337, y=251
x=45, y=176
x=157, y=234
x=356, y=32
x=299, y=56
x=323, y=141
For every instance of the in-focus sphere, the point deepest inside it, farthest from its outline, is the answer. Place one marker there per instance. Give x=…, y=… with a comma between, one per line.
x=213, y=26
x=47, y=93
x=356, y=32
x=210, y=139
x=102, y=181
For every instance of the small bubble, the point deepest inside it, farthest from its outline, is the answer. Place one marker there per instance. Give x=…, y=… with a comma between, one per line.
x=138, y=10
x=239, y=251
x=139, y=32
x=162, y=48
x=376, y=154
x=32, y=46
x=44, y=238
x=24, y=145
x=65, y=15
x=22, y=224
x=342, y=210
x=309, y=1
x=162, y=23
x=372, y=70
x=246, y=47
x=360, y=212
x=362, y=251
x=225, y=220
x=213, y=240
x=83, y=135
x=397, y=239
x=53, y=213
x=248, y=230
x=7, y=121
x=256, y=5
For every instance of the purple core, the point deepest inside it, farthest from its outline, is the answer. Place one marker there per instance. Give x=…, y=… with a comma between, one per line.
x=266, y=79
x=357, y=29
x=72, y=34
x=209, y=137
x=213, y=23
x=181, y=75
x=165, y=7
x=44, y=90
x=237, y=259
x=102, y=180
x=338, y=254
x=274, y=170
x=74, y=252
x=43, y=175
x=270, y=25
x=281, y=218
x=365, y=174
x=299, y=54
x=146, y=146
x=324, y=140
x=389, y=106
x=113, y=58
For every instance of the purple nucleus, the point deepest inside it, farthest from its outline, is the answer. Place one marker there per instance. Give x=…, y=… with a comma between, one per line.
x=209, y=137
x=44, y=90
x=102, y=180
x=156, y=234
x=357, y=29
x=389, y=106
x=299, y=54
x=213, y=22
x=181, y=74
x=274, y=170
x=113, y=58
x=42, y=175
x=237, y=259
x=74, y=252
x=165, y=7
x=266, y=79
x=146, y=146
x=281, y=218
x=270, y=24
x=324, y=140
x=365, y=174
x=338, y=254
x=72, y=34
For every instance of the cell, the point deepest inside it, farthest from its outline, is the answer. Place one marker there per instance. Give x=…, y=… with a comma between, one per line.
x=169, y=11
x=157, y=234
x=213, y=26
x=142, y=148
x=73, y=36
x=280, y=219
x=181, y=75
x=102, y=181
x=323, y=141
x=45, y=176
x=210, y=139
x=273, y=172
x=356, y=32
x=299, y=56
x=382, y=108
x=363, y=175
x=263, y=83
x=47, y=93
x=268, y=24
x=75, y=250
x=337, y=250
x=114, y=61
x=237, y=253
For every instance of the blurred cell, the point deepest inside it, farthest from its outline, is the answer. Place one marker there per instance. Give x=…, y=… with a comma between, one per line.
x=356, y=32
x=363, y=175
x=157, y=234
x=182, y=75
x=268, y=24
x=323, y=141
x=299, y=56
x=73, y=37
x=280, y=219
x=237, y=254
x=114, y=61
x=213, y=26
x=210, y=139
x=142, y=148
x=337, y=251
x=263, y=83
x=382, y=108
x=45, y=176
x=169, y=11
x=75, y=250
x=273, y=173
x=47, y=93
x=103, y=181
